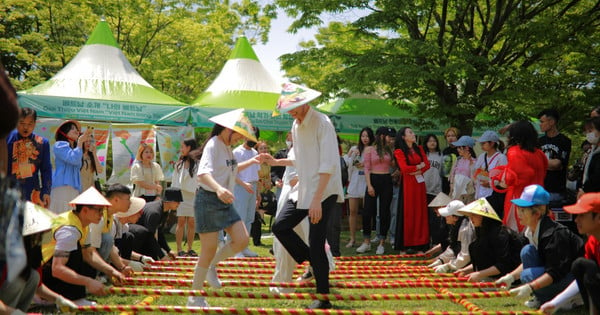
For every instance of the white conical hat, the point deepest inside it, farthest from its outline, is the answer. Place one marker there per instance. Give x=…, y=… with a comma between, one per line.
x=441, y=200
x=37, y=219
x=237, y=121
x=481, y=207
x=90, y=197
x=294, y=95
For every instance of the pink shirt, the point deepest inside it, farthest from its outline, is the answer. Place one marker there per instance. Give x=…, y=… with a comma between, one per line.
x=373, y=164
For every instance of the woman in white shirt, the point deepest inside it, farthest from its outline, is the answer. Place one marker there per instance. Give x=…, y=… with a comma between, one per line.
x=213, y=206
x=146, y=174
x=492, y=157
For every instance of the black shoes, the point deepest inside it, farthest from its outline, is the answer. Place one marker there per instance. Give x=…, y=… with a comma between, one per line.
x=318, y=304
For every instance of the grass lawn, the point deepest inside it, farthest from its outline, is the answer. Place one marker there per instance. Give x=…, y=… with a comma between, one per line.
x=486, y=304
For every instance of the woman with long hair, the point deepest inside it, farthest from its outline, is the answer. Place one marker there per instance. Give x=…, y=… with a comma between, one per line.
x=68, y=154
x=146, y=174
x=526, y=165
x=184, y=178
x=90, y=165
x=412, y=230
x=461, y=176
x=438, y=228
x=357, y=184
x=450, y=154
x=377, y=164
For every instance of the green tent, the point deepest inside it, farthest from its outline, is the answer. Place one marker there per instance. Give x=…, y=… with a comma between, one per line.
x=100, y=84
x=242, y=83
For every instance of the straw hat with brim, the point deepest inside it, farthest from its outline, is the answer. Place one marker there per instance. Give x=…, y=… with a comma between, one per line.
x=37, y=219
x=90, y=197
x=452, y=209
x=481, y=207
x=137, y=204
x=441, y=200
x=77, y=124
x=237, y=121
x=294, y=95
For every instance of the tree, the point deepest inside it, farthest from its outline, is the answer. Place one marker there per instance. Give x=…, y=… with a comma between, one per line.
x=178, y=46
x=507, y=59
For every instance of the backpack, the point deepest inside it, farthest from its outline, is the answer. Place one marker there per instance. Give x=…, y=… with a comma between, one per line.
x=344, y=169
x=268, y=202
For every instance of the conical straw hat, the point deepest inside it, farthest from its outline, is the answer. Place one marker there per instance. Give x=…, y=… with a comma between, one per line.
x=90, y=197
x=441, y=200
x=294, y=95
x=237, y=121
x=37, y=219
x=481, y=207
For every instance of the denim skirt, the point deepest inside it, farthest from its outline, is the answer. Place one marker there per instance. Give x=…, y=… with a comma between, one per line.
x=212, y=215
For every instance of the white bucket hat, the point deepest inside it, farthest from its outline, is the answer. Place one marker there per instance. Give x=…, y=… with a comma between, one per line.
x=237, y=121
x=137, y=204
x=37, y=219
x=294, y=95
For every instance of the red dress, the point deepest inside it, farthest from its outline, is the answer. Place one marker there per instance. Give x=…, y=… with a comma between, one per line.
x=412, y=212
x=524, y=168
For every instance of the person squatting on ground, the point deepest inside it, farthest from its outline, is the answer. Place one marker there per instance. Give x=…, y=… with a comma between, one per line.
x=317, y=162
x=546, y=262
x=213, y=207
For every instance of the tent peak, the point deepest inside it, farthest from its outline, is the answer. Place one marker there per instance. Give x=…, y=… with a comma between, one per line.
x=243, y=50
x=102, y=35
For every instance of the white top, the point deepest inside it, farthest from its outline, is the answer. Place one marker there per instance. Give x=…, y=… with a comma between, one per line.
x=217, y=160
x=316, y=151
x=181, y=179
x=146, y=174
x=250, y=173
x=466, y=235
x=482, y=174
x=66, y=238
x=433, y=176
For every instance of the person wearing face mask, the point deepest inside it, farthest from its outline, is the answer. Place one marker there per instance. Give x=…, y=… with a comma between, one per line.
x=591, y=171
x=246, y=187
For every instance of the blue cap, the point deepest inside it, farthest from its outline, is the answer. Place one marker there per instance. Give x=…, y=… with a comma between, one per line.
x=489, y=136
x=532, y=195
x=464, y=141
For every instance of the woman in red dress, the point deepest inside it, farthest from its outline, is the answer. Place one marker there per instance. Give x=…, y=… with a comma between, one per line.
x=526, y=166
x=412, y=230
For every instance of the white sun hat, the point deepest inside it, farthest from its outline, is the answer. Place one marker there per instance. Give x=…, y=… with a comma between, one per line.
x=237, y=121
x=137, y=204
x=37, y=219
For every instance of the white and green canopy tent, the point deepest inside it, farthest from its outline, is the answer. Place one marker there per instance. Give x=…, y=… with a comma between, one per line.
x=242, y=83
x=100, y=84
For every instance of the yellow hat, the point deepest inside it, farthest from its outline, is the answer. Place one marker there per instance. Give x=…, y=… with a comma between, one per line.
x=294, y=95
x=237, y=121
x=481, y=207
x=441, y=200
x=90, y=197
x=37, y=219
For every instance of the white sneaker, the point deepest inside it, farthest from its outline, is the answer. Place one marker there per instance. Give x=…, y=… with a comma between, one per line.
x=392, y=240
x=533, y=303
x=364, y=247
x=198, y=301
x=239, y=255
x=248, y=253
x=376, y=239
x=574, y=302
x=380, y=250
x=212, y=278
x=84, y=302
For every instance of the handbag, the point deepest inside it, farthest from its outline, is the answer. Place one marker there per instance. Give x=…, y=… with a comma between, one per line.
x=268, y=202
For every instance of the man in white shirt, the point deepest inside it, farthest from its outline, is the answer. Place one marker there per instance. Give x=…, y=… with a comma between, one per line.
x=317, y=162
x=245, y=190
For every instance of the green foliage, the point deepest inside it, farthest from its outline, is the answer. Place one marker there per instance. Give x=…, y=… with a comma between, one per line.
x=454, y=59
x=178, y=46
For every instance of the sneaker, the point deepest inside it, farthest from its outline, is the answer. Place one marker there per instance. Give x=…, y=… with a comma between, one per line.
x=84, y=302
x=248, y=253
x=306, y=276
x=212, y=278
x=192, y=253
x=364, y=247
x=574, y=302
x=181, y=254
x=350, y=244
x=197, y=301
x=380, y=250
x=376, y=239
x=392, y=240
x=318, y=304
x=533, y=303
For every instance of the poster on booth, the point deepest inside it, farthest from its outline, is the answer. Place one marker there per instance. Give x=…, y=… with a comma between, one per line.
x=169, y=143
x=126, y=140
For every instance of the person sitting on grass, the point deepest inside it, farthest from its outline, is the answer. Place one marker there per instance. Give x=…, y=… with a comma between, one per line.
x=461, y=235
x=586, y=286
x=546, y=262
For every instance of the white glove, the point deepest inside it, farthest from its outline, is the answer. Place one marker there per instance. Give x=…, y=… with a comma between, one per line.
x=443, y=268
x=64, y=304
x=522, y=291
x=136, y=266
x=506, y=280
x=146, y=260
x=436, y=263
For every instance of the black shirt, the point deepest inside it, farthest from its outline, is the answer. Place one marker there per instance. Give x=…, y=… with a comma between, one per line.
x=558, y=147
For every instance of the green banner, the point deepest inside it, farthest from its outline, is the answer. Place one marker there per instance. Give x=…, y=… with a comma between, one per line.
x=262, y=119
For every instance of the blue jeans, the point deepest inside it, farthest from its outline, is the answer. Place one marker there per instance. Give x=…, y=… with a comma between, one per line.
x=106, y=246
x=533, y=268
x=245, y=204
